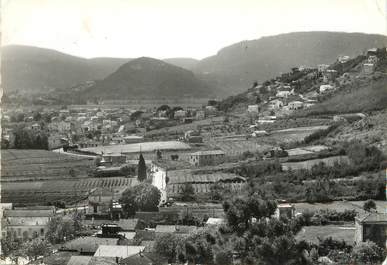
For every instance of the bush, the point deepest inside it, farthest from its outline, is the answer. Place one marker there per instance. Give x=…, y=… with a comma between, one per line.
x=368, y=252
x=368, y=205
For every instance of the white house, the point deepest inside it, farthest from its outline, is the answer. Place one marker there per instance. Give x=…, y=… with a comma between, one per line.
x=326, y=88
x=294, y=105
x=158, y=175
x=322, y=67
x=275, y=104
x=180, y=114
x=284, y=93
x=368, y=68
x=252, y=108
x=343, y=58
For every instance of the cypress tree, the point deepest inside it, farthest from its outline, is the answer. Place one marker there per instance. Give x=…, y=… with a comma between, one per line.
x=141, y=169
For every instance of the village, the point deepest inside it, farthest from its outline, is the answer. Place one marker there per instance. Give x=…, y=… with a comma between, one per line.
x=125, y=185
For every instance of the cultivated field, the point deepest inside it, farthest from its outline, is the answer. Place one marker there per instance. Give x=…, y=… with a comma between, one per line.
x=238, y=147
x=339, y=206
x=28, y=165
x=66, y=190
x=310, y=163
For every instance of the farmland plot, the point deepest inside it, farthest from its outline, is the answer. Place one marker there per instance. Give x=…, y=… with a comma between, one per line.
x=66, y=190
x=308, y=164
x=28, y=165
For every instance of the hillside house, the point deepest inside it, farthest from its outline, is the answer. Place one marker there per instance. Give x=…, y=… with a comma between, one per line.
x=207, y=158
x=28, y=222
x=253, y=109
x=372, y=52
x=284, y=93
x=179, y=114
x=61, y=126
x=368, y=68
x=343, y=58
x=275, y=104
x=329, y=75
x=295, y=105
x=322, y=67
x=326, y=88
x=200, y=115
x=285, y=210
x=372, y=59
x=373, y=227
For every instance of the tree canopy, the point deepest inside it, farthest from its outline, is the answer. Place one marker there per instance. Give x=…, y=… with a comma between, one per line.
x=143, y=197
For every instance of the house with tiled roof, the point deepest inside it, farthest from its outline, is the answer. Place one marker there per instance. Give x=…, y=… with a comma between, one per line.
x=372, y=226
x=27, y=222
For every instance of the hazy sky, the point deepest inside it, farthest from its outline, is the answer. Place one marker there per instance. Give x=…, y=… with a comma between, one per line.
x=175, y=28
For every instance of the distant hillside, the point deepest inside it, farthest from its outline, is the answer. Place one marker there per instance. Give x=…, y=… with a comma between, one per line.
x=239, y=65
x=148, y=78
x=33, y=69
x=186, y=63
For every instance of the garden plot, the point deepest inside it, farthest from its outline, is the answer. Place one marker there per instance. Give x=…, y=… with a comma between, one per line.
x=339, y=232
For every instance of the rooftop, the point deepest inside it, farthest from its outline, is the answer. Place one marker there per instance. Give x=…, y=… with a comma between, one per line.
x=28, y=213
x=79, y=260
x=209, y=152
x=118, y=251
x=373, y=217
x=89, y=243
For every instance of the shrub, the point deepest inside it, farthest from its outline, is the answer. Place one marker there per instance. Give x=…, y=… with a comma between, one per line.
x=368, y=252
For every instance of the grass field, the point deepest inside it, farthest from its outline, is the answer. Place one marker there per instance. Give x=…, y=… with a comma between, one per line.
x=339, y=206
x=338, y=232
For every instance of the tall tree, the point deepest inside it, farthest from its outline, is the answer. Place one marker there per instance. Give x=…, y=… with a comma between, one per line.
x=141, y=170
x=144, y=197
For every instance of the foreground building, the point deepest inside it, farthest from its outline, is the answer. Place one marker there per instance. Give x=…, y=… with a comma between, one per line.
x=372, y=227
x=28, y=222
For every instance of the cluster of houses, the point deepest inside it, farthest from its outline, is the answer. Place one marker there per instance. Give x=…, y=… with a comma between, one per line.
x=84, y=127
x=285, y=100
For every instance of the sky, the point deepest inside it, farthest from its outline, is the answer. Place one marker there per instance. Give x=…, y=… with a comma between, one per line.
x=175, y=28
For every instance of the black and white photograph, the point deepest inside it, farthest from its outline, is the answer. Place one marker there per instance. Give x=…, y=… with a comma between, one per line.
x=193, y=132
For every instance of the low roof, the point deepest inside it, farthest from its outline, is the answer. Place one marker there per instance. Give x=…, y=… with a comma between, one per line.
x=128, y=224
x=118, y=251
x=209, y=152
x=89, y=243
x=215, y=221
x=165, y=228
x=79, y=260
x=138, y=259
x=28, y=213
x=373, y=218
